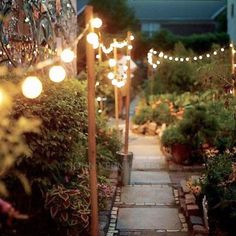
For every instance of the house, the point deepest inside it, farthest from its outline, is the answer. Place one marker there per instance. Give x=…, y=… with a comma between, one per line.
x=231, y=16
x=182, y=17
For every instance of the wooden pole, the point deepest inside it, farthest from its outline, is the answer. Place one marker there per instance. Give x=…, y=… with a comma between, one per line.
x=233, y=68
x=126, y=148
x=115, y=88
x=90, y=59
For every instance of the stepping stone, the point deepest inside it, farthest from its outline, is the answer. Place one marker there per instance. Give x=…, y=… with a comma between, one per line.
x=148, y=195
x=150, y=177
x=148, y=219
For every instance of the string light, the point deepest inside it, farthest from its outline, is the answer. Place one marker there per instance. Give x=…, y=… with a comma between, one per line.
x=92, y=38
x=67, y=55
x=31, y=87
x=114, y=82
x=96, y=23
x=112, y=62
x=130, y=47
x=57, y=74
x=111, y=75
x=131, y=37
x=153, y=53
x=154, y=66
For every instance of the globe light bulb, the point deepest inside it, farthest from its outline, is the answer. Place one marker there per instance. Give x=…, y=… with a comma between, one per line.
x=131, y=37
x=195, y=58
x=200, y=57
x=67, y=55
x=161, y=54
x=111, y=75
x=31, y=87
x=112, y=62
x=92, y=38
x=154, y=66
x=114, y=82
x=96, y=23
x=215, y=52
x=57, y=74
x=208, y=55
x=187, y=59
x=130, y=47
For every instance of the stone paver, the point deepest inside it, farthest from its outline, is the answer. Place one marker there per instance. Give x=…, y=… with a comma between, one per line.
x=150, y=177
x=148, y=218
x=147, y=194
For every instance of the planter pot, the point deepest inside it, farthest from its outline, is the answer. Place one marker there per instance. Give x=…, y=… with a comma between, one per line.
x=180, y=152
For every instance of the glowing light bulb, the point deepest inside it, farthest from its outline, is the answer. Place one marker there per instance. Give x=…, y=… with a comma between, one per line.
x=195, y=58
x=99, y=99
x=97, y=56
x=125, y=68
x=92, y=38
x=231, y=45
x=128, y=58
x=187, y=59
x=161, y=54
x=57, y=74
x=154, y=66
x=67, y=55
x=215, y=52
x=165, y=57
x=200, y=57
x=96, y=45
x=114, y=82
x=130, y=47
x=111, y=75
x=208, y=55
x=176, y=59
x=158, y=62
x=96, y=23
x=131, y=37
x=222, y=49
x=181, y=59
x=170, y=58
x=112, y=62
x=4, y=99
x=31, y=87
x=120, y=84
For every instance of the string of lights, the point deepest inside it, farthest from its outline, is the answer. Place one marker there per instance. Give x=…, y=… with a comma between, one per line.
x=154, y=58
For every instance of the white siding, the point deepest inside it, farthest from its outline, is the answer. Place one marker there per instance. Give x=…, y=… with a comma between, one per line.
x=231, y=15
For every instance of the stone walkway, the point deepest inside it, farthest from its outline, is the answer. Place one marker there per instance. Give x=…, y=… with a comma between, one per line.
x=147, y=206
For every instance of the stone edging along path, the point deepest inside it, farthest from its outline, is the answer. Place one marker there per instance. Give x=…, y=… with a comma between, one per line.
x=150, y=205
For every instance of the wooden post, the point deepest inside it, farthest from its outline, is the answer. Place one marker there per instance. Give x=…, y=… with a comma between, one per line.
x=90, y=59
x=233, y=68
x=115, y=88
x=126, y=148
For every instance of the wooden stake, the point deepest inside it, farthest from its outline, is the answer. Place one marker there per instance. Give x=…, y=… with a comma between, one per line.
x=233, y=68
x=90, y=58
x=115, y=88
x=126, y=148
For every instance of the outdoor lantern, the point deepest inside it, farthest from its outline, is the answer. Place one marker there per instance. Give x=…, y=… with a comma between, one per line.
x=57, y=74
x=67, y=55
x=32, y=87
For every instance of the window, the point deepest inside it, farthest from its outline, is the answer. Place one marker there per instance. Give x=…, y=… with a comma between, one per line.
x=232, y=10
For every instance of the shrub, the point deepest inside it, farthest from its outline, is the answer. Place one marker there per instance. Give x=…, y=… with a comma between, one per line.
x=59, y=158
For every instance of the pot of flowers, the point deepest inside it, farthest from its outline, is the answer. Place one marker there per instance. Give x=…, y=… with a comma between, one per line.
x=174, y=139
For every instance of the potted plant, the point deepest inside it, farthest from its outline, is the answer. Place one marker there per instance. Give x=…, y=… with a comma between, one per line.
x=173, y=138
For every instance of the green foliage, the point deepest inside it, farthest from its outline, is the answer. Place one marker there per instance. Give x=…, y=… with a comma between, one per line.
x=58, y=166
x=165, y=40
x=172, y=135
x=116, y=14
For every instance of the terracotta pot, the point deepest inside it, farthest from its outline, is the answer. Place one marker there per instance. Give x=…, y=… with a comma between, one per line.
x=180, y=152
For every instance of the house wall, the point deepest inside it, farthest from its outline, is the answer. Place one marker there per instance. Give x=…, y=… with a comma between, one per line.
x=231, y=15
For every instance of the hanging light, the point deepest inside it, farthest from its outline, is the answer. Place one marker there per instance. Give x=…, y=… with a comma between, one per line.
x=111, y=75
x=96, y=23
x=222, y=49
x=200, y=57
x=131, y=37
x=31, y=87
x=57, y=74
x=161, y=54
x=154, y=66
x=130, y=47
x=208, y=55
x=92, y=38
x=195, y=58
x=114, y=82
x=187, y=59
x=215, y=52
x=67, y=55
x=112, y=62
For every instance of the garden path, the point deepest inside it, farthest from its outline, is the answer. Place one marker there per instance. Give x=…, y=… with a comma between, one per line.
x=147, y=206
